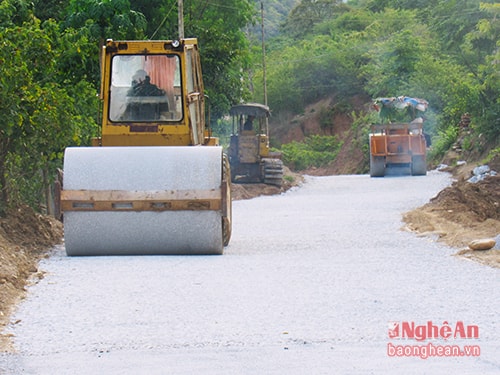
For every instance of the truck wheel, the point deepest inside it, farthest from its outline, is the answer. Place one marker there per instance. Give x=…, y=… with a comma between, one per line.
x=377, y=166
x=418, y=166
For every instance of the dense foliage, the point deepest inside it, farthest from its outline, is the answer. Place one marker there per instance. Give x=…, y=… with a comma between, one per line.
x=447, y=52
x=42, y=110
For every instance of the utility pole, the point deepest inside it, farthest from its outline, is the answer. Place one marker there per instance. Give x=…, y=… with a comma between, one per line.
x=263, y=53
x=180, y=8
x=264, y=78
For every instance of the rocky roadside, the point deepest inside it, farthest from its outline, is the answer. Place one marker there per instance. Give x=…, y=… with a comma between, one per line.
x=465, y=215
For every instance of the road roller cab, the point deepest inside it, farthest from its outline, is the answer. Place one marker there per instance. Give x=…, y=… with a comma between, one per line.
x=143, y=188
x=152, y=94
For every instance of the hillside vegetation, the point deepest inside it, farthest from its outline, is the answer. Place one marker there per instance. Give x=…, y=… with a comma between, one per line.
x=325, y=61
x=332, y=58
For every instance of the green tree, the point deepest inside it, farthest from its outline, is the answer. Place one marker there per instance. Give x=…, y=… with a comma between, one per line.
x=327, y=63
x=308, y=13
x=106, y=19
x=224, y=48
x=50, y=9
x=14, y=12
x=451, y=21
x=38, y=116
x=275, y=14
x=481, y=54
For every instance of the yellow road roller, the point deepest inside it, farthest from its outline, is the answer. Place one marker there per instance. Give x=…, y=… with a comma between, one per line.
x=155, y=181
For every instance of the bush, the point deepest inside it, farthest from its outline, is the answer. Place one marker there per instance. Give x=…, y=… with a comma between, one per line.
x=314, y=151
x=443, y=142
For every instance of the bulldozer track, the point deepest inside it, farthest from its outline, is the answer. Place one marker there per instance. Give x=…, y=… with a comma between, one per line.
x=273, y=171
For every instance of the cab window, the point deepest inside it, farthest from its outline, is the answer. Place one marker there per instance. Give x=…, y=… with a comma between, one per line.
x=145, y=88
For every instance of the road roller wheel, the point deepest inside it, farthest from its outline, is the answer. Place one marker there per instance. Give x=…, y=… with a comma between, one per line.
x=146, y=200
x=227, y=202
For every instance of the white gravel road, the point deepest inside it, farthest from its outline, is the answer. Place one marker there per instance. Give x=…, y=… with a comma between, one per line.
x=310, y=284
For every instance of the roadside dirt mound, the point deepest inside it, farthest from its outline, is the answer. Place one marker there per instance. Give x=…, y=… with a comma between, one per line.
x=249, y=191
x=460, y=214
x=25, y=237
x=471, y=202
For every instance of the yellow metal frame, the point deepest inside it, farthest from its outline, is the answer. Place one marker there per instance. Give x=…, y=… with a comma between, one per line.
x=120, y=200
x=161, y=133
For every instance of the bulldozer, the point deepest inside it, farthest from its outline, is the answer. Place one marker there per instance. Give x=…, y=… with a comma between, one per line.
x=155, y=181
x=250, y=156
x=398, y=146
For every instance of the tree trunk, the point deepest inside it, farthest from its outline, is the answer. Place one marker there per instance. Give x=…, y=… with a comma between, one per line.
x=4, y=195
x=48, y=196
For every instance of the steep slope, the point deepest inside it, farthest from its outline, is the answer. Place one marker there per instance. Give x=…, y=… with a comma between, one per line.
x=327, y=117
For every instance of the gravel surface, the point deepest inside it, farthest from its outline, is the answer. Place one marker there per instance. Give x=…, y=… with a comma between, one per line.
x=310, y=283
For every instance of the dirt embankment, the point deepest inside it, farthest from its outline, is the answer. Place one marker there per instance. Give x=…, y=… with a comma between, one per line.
x=462, y=213
x=25, y=237
x=327, y=117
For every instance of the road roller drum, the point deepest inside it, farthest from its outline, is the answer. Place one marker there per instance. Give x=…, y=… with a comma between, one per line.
x=143, y=200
